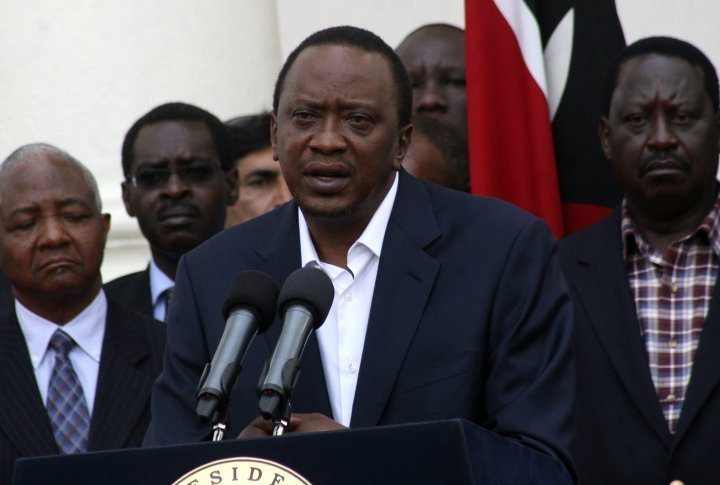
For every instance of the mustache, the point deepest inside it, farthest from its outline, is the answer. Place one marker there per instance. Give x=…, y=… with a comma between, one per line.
x=173, y=208
x=329, y=166
x=665, y=159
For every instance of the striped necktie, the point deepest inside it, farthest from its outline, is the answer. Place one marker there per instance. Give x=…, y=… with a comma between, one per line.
x=66, y=406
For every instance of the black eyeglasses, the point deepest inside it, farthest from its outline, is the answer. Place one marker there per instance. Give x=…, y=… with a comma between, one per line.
x=153, y=178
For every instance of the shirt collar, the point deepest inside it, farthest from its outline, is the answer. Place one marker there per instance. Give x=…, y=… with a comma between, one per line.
x=632, y=240
x=87, y=329
x=159, y=282
x=372, y=237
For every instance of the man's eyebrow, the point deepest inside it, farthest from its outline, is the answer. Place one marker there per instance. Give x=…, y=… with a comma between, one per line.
x=73, y=201
x=68, y=202
x=27, y=209
x=263, y=172
x=33, y=209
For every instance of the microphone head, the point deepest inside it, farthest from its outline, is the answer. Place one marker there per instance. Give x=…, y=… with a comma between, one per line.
x=310, y=287
x=254, y=290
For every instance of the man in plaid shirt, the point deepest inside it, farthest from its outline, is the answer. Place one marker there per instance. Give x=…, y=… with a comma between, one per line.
x=644, y=280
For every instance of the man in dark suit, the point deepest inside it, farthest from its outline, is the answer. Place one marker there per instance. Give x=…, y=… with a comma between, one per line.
x=76, y=369
x=179, y=179
x=446, y=305
x=644, y=280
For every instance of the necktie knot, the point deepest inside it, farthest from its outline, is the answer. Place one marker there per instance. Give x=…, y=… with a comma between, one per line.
x=167, y=296
x=61, y=342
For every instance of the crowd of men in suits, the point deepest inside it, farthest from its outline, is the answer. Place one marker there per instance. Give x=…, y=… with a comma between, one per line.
x=600, y=354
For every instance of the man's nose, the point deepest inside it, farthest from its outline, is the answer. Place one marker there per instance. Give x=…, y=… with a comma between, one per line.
x=430, y=97
x=328, y=136
x=53, y=231
x=662, y=136
x=175, y=186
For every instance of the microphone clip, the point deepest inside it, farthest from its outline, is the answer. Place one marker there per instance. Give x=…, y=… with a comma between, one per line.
x=274, y=402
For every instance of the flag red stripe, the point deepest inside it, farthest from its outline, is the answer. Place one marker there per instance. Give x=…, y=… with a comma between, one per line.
x=510, y=137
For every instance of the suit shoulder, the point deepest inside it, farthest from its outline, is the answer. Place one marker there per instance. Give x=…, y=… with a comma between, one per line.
x=135, y=322
x=123, y=282
x=132, y=291
x=487, y=212
x=242, y=237
x=590, y=236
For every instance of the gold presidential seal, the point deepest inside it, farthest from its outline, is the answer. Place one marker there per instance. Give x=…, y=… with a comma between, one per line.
x=242, y=470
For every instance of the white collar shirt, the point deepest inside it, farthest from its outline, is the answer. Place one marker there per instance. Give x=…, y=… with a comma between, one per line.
x=87, y=329
x=342, y=337
x=159, y=282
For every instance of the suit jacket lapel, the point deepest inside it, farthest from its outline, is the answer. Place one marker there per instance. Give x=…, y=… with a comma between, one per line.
x=405, y=278
x=607, y=298
x=23, y=417
x=144, y=292
x=279, y=251
x=706, y=367
x=122, y=390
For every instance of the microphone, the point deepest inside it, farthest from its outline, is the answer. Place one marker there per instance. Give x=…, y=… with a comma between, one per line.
x=304, y=302
x=249, y=308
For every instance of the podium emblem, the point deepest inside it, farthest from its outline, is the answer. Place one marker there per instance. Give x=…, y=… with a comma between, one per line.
x=242, y=470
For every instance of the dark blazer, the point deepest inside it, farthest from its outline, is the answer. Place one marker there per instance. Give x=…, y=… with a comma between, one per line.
x=470, y=318
x=622, y=436
x=133, y=291
x=131, y=360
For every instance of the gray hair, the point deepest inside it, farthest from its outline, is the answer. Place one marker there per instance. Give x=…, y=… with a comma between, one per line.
x=35, y=151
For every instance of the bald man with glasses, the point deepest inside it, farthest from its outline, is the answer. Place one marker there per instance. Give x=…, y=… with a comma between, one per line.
x=179, y=180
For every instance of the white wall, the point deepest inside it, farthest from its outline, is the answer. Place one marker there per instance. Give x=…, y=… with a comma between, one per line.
x=390, y=19
x=693, y=20
x=77, y=73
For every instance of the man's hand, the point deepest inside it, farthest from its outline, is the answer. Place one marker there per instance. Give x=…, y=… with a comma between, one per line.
x=299, y=423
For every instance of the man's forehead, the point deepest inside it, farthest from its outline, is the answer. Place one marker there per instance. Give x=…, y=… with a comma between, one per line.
x=441, y=37
x=37, y=179
x=172, y=133
x=650, y=73
x=173, y=138
x=320, y=67
x=658, y=66
x=325, y=57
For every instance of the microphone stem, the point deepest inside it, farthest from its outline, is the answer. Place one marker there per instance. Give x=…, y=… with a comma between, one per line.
x=280, y=425
x=218, y=431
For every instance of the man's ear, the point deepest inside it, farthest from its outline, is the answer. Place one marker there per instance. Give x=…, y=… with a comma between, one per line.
x=126, y=197
x=233, y=184
x=404, y=138
x=273, y=136
x=604, y=134
x=106, y=224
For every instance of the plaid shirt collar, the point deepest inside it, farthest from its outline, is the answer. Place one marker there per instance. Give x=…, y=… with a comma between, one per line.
x=633, y=242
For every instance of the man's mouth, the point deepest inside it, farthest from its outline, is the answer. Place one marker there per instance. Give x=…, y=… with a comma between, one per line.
x=327, y=179
x=178, y=215
x=661, y=166
x=57, y=264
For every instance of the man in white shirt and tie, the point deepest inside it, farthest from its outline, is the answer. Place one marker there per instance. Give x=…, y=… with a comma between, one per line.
x=76, y=368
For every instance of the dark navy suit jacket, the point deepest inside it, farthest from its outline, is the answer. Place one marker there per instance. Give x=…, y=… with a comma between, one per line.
x=131, y=360
x=133, y=291
x=622, y=436
x=470, y=318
